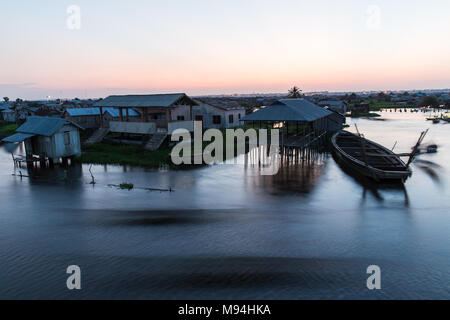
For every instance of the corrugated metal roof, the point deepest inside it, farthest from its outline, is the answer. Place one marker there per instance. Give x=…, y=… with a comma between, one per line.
x=18, y=137
x=289, y=110
x=82, y=112
x=152, y=100
x=219, y=103
x=331, y=103
x=79, y=112
x=44, y=126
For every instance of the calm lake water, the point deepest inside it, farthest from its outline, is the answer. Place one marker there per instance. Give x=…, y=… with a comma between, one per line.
x=229, y=233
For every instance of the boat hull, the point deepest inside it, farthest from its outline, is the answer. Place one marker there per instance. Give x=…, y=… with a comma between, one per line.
x=398, y=172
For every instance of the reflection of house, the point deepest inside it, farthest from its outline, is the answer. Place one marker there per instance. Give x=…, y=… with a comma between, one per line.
x=89, y=118
x=46, y=137
x=217, y=115
x=159, y=112
x=335, y=105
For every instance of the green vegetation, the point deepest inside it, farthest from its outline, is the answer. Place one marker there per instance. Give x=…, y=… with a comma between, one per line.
x=135, y=155
x=7, y=128
x=126, y=186
x=428, y=101
x=375, y=105
x=122, y=154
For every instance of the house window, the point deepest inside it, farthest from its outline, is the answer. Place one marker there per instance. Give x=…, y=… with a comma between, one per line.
x=67, y=138
x=230, y=118
x=217, y=119
x=239, y=116
x=198, y=118
x=180, y=118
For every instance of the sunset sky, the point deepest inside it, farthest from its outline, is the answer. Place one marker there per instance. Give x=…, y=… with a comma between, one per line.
x=214, y=47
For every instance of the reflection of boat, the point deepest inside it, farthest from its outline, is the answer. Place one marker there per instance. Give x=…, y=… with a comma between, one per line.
x=369, y=158
x=436, y=120
x=372, y=187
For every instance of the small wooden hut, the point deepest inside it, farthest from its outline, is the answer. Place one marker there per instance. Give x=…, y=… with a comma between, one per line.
x=48, y=138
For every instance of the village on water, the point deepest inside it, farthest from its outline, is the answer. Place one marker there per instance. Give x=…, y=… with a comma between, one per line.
x=56, y=131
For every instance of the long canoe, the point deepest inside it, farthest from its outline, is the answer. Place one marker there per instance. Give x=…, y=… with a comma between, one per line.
x=369, y=158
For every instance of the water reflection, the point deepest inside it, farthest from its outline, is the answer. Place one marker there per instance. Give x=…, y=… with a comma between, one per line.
x=372, y=187
x=294, y=176
x=227, y=231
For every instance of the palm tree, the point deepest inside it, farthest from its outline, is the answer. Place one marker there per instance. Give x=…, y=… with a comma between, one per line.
x=295, y=93
x=6, y=99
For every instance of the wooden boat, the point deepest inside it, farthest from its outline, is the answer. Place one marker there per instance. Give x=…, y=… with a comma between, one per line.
x=434, y=119
x=368, y=158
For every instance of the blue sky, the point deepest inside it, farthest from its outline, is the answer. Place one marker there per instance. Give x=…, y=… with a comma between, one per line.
x=209, y=47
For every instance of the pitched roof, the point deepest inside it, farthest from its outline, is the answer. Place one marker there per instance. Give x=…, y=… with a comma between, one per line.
x=151, y=100
x=95, y=111
x=18, y=137
x=289, y=110
x=77, y=112
x=331, y=103
x=5, y=107
x=220, y=103
x=44, y=126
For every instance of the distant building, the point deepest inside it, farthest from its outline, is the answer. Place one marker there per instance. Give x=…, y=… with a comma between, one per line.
x=335, y=121
x=216, y=115
x=8, y=115
x=360, y=108
x=51, y=138
x=6, y=112
x=89, y=118
x=335, y=105
x=48, y=112
x=23, y=111
x=159, y=112
x=294, y=112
